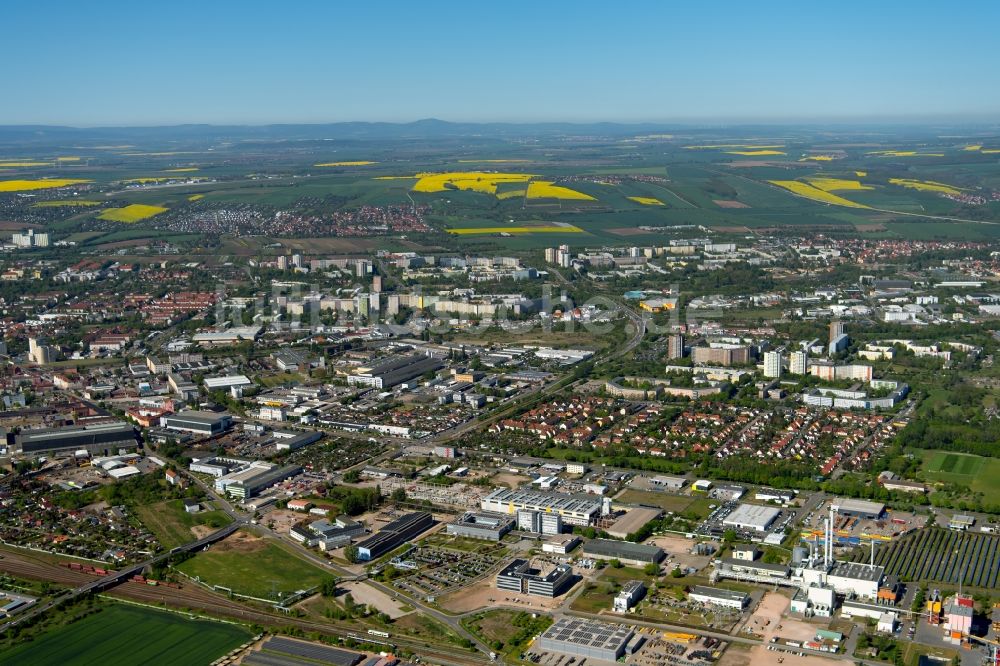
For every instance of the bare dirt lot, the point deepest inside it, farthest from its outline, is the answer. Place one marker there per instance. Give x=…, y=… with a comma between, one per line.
x=679, y=550
x=201, y=531
x=241, y=542
x=510, y=480
x=366, y=594
x=727, y=203
x=765, y=622
x=485, y=595
x=283, y=520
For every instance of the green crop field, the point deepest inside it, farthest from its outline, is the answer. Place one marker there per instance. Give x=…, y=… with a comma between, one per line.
x=689, y=174
x=977, y=473
x=122, y=635
x=254, y=567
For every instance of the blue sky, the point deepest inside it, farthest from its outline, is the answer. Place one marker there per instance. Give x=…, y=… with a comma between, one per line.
x=141, y=63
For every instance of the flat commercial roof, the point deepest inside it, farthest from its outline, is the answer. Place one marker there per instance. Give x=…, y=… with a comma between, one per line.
x=281, y=651
x=718, y=593
x=760, y=566
x=588, y=633
x=752, y=516
x=557, y=501
x=228, y=380
x=626, y=549
x=483, y=519
x=195, y=416
x=75, y=437
x=857, y=571
x=857, y=506
x=633, y=521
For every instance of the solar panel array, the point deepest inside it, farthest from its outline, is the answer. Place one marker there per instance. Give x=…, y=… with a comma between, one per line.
x=279, y=651
x=592, y=634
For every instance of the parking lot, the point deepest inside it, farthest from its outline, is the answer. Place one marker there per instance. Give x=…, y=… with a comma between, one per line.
x=437, y=571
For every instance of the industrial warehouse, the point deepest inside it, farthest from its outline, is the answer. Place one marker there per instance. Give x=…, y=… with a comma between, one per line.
x=713, y=596
x=860, y=508
x=586, y=638
x=752, y=517
x=394, y=535
x=206, y=424
x=623, y=551
x=249, y=480
x=574, y=510
x=103, y=438
x=394, y=371
x=474, y=525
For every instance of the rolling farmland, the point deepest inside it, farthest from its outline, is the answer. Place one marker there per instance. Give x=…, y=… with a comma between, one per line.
x=942, y=556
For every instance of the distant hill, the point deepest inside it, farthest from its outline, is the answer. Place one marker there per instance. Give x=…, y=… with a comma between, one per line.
x=429, y=128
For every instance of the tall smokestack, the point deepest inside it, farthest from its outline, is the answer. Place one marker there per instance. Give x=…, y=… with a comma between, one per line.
x=829, y=539
x=826, y=537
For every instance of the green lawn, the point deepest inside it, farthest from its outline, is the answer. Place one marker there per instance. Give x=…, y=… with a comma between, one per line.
x=122, y=635
x=665, y=501
x=976, y=472
x=172, y=524
x=258, y=568
x=695, y=507
x=598, y=595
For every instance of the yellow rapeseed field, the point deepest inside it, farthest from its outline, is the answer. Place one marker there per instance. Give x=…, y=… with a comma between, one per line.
x=817, y=158
x=196, y=197
x=44, y=184
x=544, y=189
x=474, y=181
x=343, y=164
x=468, y=231
x=833, y=184
x=66, y=202
x=69, y=158
x=860, y=174
x=149, y=179
x=131, y=213
x=814, y=193
x=754, y=153
x=734, y=146
x=903, y=153
x=926, y=186
x=24, y=164
x=990, y=151
x=973, y=148
x=180, y=170
x=647, y=201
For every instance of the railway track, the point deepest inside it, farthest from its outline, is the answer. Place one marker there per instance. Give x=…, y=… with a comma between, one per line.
x=194, y=598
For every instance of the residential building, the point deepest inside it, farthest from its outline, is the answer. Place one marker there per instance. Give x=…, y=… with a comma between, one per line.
x=798, y=363
x=772, y=364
